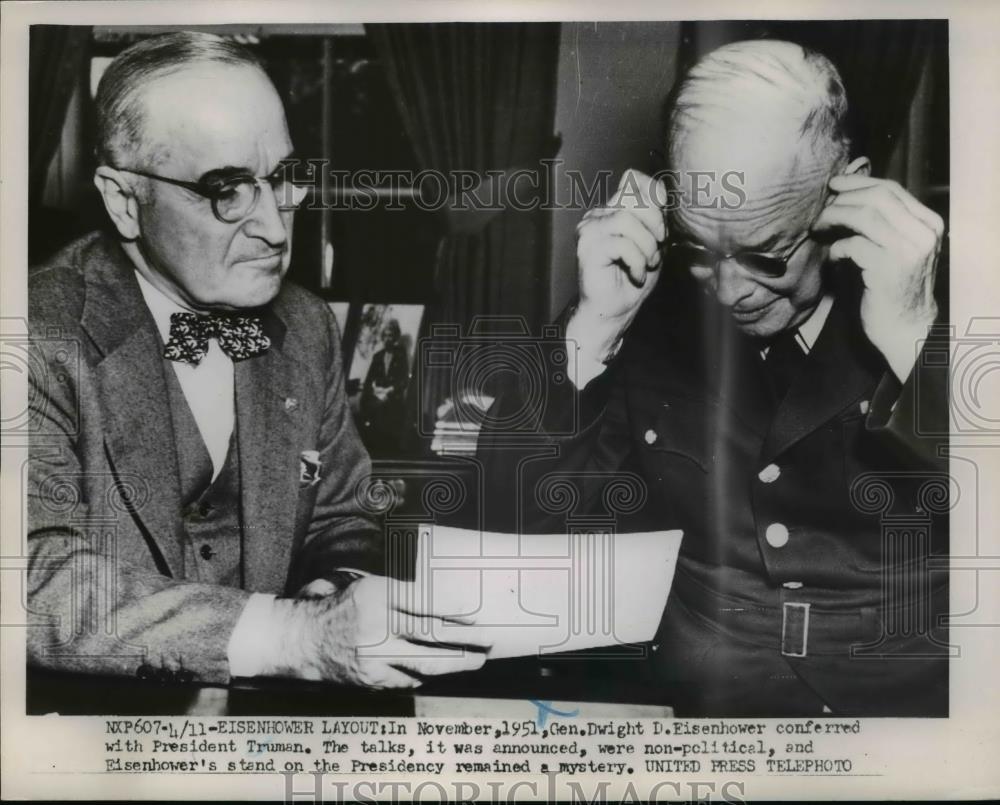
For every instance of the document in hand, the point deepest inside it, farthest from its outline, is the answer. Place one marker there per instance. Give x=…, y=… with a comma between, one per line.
x=546, y=593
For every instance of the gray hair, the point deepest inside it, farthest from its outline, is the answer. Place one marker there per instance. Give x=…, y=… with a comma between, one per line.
x=118, y=102
x=743, y=77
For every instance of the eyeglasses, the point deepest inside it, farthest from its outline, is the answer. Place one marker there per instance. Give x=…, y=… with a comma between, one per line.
x=235, y=195
x=758, y=264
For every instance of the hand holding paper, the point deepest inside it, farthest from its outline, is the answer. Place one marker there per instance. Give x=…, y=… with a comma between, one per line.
x=545, y=593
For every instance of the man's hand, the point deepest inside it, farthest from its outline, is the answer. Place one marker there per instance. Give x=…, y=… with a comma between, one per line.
x=359, y=635
x=896, y=245
x=618, y=254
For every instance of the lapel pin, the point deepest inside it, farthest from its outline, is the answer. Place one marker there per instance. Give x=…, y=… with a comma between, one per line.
x=650, y=436
x=291, y=404
x=309, y=467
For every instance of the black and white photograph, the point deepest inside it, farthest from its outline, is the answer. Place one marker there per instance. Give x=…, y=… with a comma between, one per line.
x=378, y=381
x=609, y=395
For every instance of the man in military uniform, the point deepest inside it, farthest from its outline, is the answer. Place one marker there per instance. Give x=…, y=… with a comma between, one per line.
x=758, y=366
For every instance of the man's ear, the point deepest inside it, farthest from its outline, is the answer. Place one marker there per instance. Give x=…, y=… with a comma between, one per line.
x=861, y=166
x=119, y=201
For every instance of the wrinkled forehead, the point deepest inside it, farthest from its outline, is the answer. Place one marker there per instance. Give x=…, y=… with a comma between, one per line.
x=760, y=175
x=766, y=152
x=212, y=115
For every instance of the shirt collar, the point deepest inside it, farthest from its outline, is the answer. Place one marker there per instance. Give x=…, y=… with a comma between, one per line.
x=810, y=329
x=160, y=305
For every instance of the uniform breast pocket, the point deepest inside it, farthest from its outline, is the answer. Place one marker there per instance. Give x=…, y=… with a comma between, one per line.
x=684, y=435
x=860, y=449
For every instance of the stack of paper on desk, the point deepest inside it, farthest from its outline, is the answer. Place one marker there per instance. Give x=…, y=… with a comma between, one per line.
x=546, y=593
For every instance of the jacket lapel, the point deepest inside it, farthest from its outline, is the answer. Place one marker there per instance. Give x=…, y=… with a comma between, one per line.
x=271, y=390
x=131, y=386
x=708, y=358
x=842, y=368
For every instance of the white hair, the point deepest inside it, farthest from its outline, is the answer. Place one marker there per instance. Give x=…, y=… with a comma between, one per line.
x=773, y=83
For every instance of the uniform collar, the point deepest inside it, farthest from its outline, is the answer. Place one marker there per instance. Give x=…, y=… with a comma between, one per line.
x=809, y=330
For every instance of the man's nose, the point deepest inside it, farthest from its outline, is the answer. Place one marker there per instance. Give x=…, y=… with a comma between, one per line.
x=732, y=283
x=266, y=221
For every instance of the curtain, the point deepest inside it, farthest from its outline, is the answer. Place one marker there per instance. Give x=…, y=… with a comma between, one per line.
x=880, y=62
x=479, y=97
x=56, y=61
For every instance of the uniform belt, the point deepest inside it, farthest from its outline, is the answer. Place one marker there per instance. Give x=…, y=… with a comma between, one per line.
x=782, y=619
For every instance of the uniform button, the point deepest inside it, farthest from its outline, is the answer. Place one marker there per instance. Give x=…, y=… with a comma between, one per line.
x=864, y=405
x=769, y=474
x=145, y=671
x=776, y=535
x=207, y=552
x=650, y=436
x=792, y=585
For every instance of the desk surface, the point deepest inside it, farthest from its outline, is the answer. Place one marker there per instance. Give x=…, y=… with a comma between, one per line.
x=599, y=688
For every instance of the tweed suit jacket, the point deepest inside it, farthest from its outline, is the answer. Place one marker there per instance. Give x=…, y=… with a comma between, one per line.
x=109, y=588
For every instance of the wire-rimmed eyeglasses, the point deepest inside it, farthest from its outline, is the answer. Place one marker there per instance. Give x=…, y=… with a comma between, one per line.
x=235, y=195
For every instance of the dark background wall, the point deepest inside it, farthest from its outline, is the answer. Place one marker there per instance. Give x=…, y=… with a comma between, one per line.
x=613, y=79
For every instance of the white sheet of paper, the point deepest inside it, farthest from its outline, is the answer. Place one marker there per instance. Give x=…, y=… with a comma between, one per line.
x=547, y=593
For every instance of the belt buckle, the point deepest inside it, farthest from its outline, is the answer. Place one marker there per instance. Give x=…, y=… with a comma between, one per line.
x=795, y=629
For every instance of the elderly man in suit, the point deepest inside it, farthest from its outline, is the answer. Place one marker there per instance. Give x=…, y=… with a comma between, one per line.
x=194, y=504
x=749, y=351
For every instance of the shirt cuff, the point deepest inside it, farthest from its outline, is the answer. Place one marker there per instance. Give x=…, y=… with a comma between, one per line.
x=582, y=369
x=253, y=631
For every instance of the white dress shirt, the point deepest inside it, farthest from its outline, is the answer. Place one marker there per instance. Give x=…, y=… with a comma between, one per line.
x=209, y=389
x=207, y=386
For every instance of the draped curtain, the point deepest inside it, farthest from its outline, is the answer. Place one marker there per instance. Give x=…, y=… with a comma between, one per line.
x=57, y=57
x=479, y=97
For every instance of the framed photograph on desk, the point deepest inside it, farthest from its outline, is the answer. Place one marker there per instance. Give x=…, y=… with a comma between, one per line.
x=381, y=366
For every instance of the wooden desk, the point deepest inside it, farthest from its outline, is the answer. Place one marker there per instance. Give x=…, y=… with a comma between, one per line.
x=504, y=688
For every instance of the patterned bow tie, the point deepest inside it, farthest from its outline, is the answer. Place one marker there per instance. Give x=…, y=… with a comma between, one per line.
x=239, y=337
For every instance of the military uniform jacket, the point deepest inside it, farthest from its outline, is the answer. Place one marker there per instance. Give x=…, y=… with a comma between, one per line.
x=814, y=528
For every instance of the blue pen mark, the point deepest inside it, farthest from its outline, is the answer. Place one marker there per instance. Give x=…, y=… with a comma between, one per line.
x=545, y=708
x=266, y=741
